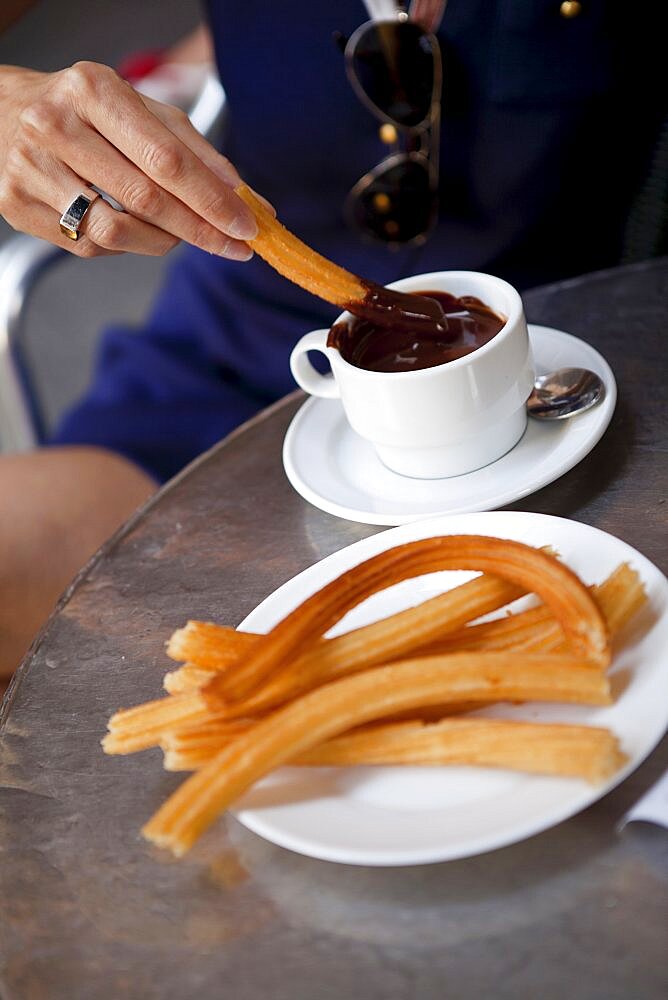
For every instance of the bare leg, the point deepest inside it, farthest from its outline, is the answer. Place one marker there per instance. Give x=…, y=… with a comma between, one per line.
x=56, y=508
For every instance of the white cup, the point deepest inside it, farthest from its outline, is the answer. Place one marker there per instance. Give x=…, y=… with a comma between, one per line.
x=441, y=421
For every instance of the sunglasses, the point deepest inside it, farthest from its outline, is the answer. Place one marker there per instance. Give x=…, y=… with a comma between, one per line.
x=395, y=70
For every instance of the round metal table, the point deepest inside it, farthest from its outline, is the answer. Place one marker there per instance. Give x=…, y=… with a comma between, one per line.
x=90, y=910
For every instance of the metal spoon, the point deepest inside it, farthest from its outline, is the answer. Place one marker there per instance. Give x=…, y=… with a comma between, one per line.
x=564, y=393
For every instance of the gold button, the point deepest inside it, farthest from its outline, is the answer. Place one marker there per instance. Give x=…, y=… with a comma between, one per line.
x=381, y=202
x=570, y=8
x=387, y=133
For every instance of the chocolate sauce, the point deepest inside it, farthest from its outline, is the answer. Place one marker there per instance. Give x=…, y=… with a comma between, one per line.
x=399, y=344
x=402, y=311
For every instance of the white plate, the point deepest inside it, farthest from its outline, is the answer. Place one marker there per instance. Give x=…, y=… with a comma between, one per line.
x=339, y=472
x=408, y=816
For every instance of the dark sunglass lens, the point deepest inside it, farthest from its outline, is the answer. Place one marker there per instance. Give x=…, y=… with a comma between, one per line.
x=397, y=205
x=394, y=66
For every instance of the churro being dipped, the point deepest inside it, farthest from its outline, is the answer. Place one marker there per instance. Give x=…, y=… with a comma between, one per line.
x=310, y=270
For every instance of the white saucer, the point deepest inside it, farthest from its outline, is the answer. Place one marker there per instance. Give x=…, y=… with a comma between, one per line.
x=339, y=472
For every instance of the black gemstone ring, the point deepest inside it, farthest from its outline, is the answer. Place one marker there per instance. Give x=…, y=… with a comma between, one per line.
x=72, y=217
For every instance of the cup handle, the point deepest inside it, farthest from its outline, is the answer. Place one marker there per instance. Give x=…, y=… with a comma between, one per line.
x=303, y=371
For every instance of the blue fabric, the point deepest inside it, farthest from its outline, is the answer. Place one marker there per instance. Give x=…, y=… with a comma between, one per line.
x=543, y=146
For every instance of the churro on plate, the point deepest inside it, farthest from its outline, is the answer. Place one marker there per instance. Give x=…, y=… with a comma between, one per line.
x=395, y=692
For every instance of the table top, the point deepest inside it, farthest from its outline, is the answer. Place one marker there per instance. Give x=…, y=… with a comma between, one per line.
x=89, y=909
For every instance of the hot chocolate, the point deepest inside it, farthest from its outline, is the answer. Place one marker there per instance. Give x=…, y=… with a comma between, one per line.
x=394, y=347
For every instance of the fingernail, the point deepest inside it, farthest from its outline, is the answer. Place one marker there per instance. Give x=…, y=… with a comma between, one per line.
x=236, y=251
x=243, y=227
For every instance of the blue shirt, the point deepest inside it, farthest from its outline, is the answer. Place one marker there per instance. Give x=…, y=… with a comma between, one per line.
x=544, y=144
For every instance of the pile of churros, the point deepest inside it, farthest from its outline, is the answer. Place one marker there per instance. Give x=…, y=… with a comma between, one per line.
x=398, y=691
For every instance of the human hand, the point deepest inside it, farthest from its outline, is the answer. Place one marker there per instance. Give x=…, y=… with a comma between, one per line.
x=61, y=132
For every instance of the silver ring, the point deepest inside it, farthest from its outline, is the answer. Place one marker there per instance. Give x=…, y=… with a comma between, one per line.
x=116, y=205
x=73, y=216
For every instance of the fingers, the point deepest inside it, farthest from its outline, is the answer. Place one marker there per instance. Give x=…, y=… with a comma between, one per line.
x=90, y=155
x=48, y=187
x=120, y=232
x=179, y=123
x=38, y=219
x=113, y=109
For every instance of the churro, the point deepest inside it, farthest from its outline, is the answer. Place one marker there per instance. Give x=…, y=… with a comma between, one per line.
x=207, y=645
x=186, y=678
x=352, y=701
x=390, y=692
x=527, y=567
x=215, y=647
x=587, y=752
x=310, y=270
x=143, y=726
x=618, y=597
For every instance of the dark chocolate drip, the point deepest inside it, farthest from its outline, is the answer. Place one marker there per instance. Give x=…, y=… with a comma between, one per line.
x=385, y=307
x=391, y=346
